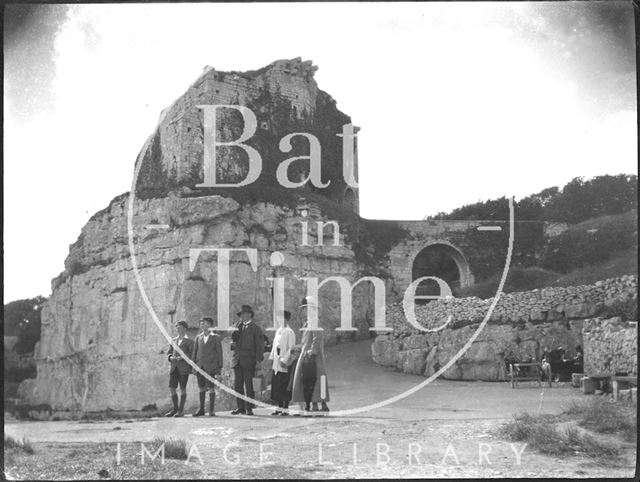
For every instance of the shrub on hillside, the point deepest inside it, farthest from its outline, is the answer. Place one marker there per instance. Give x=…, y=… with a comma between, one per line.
x=22, y=318
x=622, y=264
x=591, y=242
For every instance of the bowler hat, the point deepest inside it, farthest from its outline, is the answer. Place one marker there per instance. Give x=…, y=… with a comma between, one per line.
x=182, y=323
x=245, y=309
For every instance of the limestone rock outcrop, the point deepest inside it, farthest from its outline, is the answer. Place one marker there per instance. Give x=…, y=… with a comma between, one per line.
x=100, y=348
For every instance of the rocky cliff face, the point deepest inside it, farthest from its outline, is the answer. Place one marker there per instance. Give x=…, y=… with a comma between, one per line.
x=521, y=326
x=284, y=98
x=99, y=346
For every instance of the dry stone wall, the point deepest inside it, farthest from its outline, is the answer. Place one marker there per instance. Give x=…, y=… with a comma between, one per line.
x=521, y=326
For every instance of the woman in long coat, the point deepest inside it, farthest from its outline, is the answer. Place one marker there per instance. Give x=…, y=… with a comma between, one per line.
x=312, y=345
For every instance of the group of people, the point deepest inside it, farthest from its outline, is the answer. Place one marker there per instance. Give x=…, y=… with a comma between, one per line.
x=298, y=372
x=558, y=366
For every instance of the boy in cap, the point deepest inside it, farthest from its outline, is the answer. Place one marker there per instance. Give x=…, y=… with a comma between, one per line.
x=207, y=354
x=180, y=369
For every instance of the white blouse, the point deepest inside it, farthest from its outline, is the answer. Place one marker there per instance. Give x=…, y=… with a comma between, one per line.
x=284, y=339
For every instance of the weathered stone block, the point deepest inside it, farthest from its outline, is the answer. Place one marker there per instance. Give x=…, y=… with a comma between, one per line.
x=413, y=361
x=538, y=315
x=582, y=310
x=384, y=351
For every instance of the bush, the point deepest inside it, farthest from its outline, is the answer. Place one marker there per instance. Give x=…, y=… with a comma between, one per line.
x=173, y=448
x=622, y=264
x=541, y=435
x=22, y=318
x=591, y=242
x=578, y=441
x=625, y=308
x=18, y=444
x=602, y=416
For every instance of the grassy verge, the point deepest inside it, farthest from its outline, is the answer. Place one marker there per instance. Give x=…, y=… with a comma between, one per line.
x=560, y=435
x=545, y=437
x=601, y=416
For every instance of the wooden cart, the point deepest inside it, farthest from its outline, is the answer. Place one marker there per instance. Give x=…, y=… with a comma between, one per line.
x=518, y=373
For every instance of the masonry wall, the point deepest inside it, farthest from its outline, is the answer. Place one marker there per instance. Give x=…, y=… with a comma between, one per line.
x=521, y=326
x=610, y=346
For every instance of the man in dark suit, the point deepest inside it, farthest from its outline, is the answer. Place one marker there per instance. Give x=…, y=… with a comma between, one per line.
x=248, y=352
x=180, y=369
x=207, y=354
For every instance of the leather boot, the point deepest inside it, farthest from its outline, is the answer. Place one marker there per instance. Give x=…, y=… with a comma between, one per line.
x=183, y=399
x=212, y=402
x=200, y=412
x=174, y=399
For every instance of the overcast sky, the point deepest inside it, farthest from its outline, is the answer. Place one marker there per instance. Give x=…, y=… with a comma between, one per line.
x=457, y=102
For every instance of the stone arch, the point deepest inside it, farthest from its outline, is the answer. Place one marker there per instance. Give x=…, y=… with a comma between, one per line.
x=350, y=200
x=443, y=260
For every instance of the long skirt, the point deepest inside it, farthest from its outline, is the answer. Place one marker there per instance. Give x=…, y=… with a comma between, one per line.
x=297, y=387
x=279, y=387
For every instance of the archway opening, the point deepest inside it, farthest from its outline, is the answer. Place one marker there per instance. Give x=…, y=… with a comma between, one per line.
x=441, y=261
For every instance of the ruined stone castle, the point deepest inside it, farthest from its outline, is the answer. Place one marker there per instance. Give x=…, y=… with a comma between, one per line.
x=99, y=347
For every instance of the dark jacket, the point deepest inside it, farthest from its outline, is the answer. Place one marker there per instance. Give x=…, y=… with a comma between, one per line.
x=186, y=345
x=248, y=345
x=208, y=356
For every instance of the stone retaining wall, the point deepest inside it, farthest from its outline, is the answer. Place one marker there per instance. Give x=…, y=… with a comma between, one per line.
x=610, y=346
x=521, y=326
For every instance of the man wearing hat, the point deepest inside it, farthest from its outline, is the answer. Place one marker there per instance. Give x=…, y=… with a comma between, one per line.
x=180, y=369
x=207, y=354
x=248, y=342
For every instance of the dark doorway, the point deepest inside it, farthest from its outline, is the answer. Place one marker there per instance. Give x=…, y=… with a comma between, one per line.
x=441, y=261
